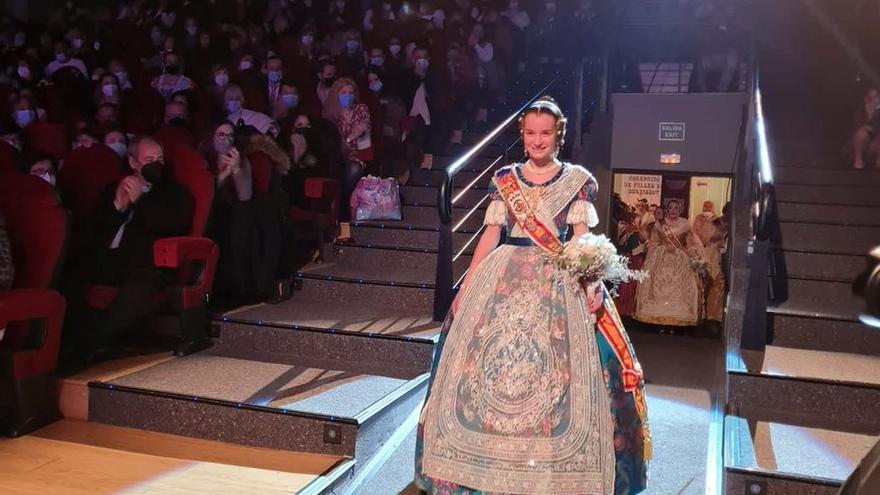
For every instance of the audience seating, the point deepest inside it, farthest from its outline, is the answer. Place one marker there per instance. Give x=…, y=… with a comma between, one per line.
x=85, y=175
x=47, y=138
x=193, y=257
x=7, y=157
x=319, y=213
x=172, y=137
x=31, y=312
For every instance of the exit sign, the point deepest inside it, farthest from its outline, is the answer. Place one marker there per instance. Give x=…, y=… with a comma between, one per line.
x=672, y=131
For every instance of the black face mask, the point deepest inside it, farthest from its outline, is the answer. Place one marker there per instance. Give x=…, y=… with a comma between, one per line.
x=172, y=69
x=328, y=81
x=153, y=172
x=178, y=121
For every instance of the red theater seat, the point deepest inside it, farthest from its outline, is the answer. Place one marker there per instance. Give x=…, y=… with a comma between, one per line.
x=319, y=213
x=85, y=175
x=193, y=257
x=261, y=171
x=7, y=157
x=172, y=137
x=31, y=312
x=47, y=138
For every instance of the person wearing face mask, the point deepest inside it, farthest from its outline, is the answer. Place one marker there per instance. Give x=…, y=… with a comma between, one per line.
x=419, y=89
x=172, y=80
x=24, y=74
x=352, y=120
x=236, y=111
x=107, y=90
x=326, y=78
x=24, y=116
x=131, y=215
x=63, y=59
x=287, y=103
x=351, y=63
x=116, y=68
x=270, y=95
x=117, y=140
x=44, y=167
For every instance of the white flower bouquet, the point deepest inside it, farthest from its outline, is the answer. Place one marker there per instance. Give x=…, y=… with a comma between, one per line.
x=700, y=266
x=594, y=257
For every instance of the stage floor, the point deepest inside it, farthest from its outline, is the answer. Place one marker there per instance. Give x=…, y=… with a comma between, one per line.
x=74, y=457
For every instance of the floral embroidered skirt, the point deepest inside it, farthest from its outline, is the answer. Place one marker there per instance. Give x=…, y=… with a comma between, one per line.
x=525, y=395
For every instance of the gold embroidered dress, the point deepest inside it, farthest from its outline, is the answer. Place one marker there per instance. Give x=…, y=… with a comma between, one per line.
x=526, y=397
x=672, y=293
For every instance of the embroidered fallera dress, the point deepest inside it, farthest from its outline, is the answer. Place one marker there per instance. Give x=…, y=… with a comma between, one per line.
x=530, y=392
x=672, y=294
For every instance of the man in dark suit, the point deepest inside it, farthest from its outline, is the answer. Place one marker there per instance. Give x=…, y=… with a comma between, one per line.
x=131, y=215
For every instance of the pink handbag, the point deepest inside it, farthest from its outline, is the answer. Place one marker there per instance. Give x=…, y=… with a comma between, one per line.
x=375, y=199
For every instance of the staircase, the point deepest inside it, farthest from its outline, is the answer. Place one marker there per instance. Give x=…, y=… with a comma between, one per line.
x=340, y=369
x=803, y=411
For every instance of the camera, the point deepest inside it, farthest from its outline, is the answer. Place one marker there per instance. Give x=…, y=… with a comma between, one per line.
x=867, y=285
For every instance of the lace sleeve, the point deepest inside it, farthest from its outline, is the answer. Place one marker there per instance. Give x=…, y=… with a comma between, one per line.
x=496, y=214
x=582, y=209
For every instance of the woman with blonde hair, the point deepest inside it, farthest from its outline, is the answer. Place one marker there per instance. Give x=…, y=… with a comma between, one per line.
x=352, y=119
x=535, y=388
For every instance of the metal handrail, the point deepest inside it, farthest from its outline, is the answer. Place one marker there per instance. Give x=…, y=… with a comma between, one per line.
x=446, y=256
x=445, y=199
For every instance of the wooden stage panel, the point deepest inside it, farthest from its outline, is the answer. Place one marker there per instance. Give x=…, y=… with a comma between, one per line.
x=73, y=457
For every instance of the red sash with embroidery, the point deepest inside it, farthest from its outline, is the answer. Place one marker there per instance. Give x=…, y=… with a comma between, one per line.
x=608, y=320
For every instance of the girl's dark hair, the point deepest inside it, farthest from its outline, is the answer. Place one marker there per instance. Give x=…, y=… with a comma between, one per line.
x=547, y=105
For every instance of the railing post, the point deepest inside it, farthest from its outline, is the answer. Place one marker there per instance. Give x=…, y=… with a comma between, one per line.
x=443, y=280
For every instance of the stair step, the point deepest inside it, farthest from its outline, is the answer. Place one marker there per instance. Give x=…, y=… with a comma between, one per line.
x=829, y=214
x=419, y=265
x=343, y=284
x=839, y=239
x=308, y=331
x=808, y=387
x=790, y=459
x=803, y=159
x=820, y=266
x=826, y=176
x=409, y=236
x=833, y=195
x=429, y=216
x=428, y=195
x=329, y=409
x=435, y=177
x=824, y=335
x=821, y=299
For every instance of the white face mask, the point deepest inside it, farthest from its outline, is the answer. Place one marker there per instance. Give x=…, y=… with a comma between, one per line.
x=24, y=72
x=422, y=64
x=76, y=43
x=394, y=49
x=307, y=39
x=707, y=214
x=119, y=147
x=50, y=178
x=109, y=90
x=121, y=76
x=244, y=64
x=221, y=79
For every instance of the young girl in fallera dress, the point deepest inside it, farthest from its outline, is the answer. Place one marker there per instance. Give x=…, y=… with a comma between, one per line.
x=535, y=387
